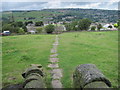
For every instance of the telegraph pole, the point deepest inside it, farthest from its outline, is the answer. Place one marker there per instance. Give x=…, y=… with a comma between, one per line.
x=12, y=17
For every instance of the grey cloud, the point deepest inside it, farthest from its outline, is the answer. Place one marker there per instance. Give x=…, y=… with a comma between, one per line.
x=57, y=4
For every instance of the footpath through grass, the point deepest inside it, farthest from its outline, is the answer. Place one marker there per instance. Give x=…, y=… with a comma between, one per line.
x=99, y=48
x=21, y=51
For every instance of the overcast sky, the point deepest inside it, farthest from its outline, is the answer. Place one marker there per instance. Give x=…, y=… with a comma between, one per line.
x=46, y=4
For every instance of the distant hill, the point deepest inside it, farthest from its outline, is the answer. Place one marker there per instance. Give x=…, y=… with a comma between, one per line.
x=55, y=15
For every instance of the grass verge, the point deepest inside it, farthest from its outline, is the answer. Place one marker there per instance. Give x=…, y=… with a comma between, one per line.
x=99, y=48
x=21, y=51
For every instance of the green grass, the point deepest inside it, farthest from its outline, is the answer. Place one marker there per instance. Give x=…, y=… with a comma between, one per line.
x=99, y=48
x=21, y=51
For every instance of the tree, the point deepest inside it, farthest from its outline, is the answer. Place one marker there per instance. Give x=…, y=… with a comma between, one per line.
x=7, y=27
x=118, y=22
x=39, y=30
x=29, y=22
x=71, y=26
x=119, y=28
x=74, y=25
x=99, y=26
x=84, y=24
x=93, y=28
x=25, y=29
x=68, y=26
x=39, y=23
x=16, y=29
x=21, y=31
x=116, y=25
x=14, y=24
x=20, y=24
x=49, y=28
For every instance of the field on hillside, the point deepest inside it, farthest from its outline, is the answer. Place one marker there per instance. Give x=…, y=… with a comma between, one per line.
x=38, y=15
x=99, y=48
x=21, y=51
x=63, y=15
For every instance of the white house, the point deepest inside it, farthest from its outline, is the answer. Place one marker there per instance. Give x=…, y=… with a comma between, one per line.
x=32, y=31
x=108, y=27
x=31, y=28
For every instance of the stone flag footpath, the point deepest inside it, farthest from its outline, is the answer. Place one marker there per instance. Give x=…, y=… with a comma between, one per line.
x=56, y=72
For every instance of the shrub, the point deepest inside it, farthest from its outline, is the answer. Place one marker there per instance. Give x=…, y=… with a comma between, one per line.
x=39, y=30
x=99, y=26
x=71, y=26
x=19, y=24
x=93, y=28
x=10, y=27
x=116, y=25
x=21, y=31
x=49, y=28
x=25, y=29
x=29, y=22
x=119, y=28
x=16, y=29
x=7, y=27
x=68, y=26
x=118, y=22
x=39, y=23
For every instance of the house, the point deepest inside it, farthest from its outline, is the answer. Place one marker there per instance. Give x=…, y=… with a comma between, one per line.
x=108, y=27
x=31, y=28
x=104, y=26
x=48, y=22
x=93, y=24
x=59, y=28
x=60, y=22
x=32, y=31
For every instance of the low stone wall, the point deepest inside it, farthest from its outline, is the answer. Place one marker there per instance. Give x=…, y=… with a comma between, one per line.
x=85, y=76
x=33, y=77
x=88, y=76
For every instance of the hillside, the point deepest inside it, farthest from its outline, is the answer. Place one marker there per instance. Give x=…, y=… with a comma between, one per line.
x=56, y=15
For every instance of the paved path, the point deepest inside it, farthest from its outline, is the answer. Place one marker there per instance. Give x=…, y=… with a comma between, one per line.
x=56, y=72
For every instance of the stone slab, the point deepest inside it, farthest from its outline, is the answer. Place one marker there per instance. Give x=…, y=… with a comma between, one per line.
x=54, y=55
x=53, y=66
x=56, y=73
x=54, y=59
x=53, y=50
x=56, y=84
x=54, y=47
x=56, y=44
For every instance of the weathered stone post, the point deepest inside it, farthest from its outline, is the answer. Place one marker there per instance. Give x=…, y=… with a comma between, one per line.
x=33, y=77
x=88, y=76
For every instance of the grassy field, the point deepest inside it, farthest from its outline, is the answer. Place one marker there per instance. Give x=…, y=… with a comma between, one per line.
x=39, y=15
x=99, y=48
x=21, y=51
